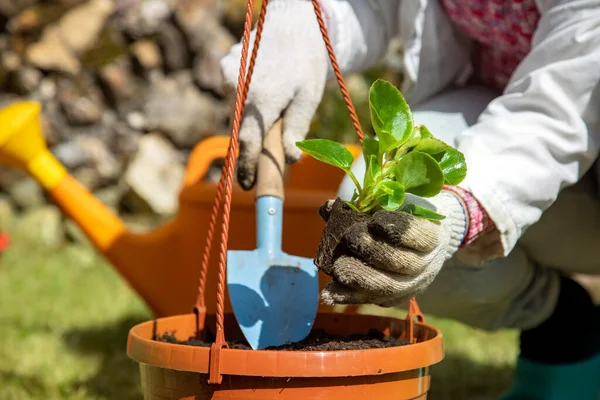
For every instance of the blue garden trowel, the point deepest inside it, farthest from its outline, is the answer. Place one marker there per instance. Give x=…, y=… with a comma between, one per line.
x=274, y=295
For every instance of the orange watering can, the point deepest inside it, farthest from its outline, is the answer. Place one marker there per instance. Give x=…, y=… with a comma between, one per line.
x=163, y=266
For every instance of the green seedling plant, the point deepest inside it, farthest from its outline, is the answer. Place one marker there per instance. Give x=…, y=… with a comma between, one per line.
x=400, y=158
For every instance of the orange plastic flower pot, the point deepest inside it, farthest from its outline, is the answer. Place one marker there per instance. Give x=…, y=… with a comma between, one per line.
x=176, y=371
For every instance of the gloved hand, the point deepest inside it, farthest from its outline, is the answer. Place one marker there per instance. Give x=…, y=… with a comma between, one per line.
x=288, y=81
x=393, y=256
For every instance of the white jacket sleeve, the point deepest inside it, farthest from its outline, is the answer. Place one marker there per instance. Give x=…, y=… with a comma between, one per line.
x=360, y=30
x=543, y=133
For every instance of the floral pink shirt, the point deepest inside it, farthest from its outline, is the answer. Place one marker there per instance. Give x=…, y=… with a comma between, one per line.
x=502, y=31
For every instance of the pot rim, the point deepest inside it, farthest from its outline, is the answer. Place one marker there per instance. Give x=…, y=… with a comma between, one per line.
x=271, y=363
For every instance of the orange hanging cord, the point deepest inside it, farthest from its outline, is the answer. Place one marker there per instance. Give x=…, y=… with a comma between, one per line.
x=226, y=183
x=200, y=308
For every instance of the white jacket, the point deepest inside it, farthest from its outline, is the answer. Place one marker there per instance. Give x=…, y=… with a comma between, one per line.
x=541, y=135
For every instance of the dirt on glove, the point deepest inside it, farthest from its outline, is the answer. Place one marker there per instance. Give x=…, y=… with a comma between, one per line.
x=317, y=340
x=340, y=220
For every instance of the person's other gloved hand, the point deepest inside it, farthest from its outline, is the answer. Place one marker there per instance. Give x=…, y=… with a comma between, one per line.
x=288, y=81
x=393, y=256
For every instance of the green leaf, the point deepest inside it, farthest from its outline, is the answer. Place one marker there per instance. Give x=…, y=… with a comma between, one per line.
x=352, y=206
x=453, y=165
x=328, y=151
x=431, y=145
x=420, y=174
x=419, y=211
x=387, y=142
x=373, y=170
x=425, y=132
x=390, y=195
x=414, y=138
x=370, y=147
x=389, y=111
x=376, y=120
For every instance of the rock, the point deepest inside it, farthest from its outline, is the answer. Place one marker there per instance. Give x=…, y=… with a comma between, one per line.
x=126, y=140
x=177, y=108
x=147, y=54
x=144, y=17
x=125, y=91
x=199, y=20
x=124, y=6
x=69, y=3
x=9, y=8
x=32, y=20
x=88, y=177
x=90, y=152
x=26, y=193
x=207, y=72
x=154, y=176
x=80, y=100
x=110, y=118
x=154, y=12
x=111, y=195
x=136, y=120
x=58, y=48
x=102, y=160
x=7, y=213
x=47, y=90
x=24, y=80
x=27, y=21
x=41, y=226
x=51, y=53
x=102, y=132
x=87, y=21
x=50, y=134
x=172, y=44
x=71, y=154
x=110, y=45
x=10, y=61
x=9, y=64
x=54, y=124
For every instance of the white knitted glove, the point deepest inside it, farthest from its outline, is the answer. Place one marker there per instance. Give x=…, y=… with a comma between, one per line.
x=288, y=80
x=392, y=256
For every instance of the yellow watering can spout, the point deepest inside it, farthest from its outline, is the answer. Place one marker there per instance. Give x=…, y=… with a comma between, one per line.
x=22, y=144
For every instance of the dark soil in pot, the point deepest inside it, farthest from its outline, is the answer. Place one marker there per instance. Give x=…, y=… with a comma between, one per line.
x=340, y=220
x=317, y=340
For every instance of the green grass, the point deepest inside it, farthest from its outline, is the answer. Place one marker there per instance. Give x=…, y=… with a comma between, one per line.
x=65, y=314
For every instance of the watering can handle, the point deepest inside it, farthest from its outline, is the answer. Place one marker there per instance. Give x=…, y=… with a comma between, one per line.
x=271, y=164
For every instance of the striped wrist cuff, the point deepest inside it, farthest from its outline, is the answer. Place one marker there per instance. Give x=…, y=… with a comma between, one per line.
x=479, y=223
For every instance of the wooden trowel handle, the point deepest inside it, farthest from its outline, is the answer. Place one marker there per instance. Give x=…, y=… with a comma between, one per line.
x=271, y=164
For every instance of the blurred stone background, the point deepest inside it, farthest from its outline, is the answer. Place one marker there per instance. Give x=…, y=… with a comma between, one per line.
x=128, y=88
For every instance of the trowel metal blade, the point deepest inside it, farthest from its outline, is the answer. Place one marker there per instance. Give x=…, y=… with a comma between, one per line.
x=274, y=296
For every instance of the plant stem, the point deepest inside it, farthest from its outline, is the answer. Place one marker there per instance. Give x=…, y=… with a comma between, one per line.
x=401, y=152
x=353, y=177
x=369, y=208
x=366, y=201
